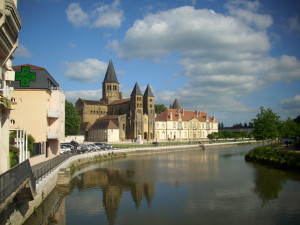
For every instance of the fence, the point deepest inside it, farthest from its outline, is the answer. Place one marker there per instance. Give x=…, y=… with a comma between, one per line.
x=13, y=178
x=42, y=170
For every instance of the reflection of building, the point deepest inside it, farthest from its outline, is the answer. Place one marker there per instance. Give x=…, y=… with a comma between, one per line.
x=132, y=116
x=113, y=184
x=177, y=123
x=10, y=25
x=39, y=109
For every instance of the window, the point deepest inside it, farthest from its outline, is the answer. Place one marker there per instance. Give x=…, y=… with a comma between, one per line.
x=12, y=122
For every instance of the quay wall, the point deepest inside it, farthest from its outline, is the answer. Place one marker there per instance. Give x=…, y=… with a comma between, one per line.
x=45, y=186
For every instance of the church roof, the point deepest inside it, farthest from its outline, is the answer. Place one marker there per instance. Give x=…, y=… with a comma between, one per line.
x=136, y=90
x=92, y=102
x=121, y=101
x=110, y=75
x=176, y=105
x=148, y=92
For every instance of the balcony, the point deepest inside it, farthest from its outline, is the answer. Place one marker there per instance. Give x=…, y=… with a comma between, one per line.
x=52, y=114
x=52, y=134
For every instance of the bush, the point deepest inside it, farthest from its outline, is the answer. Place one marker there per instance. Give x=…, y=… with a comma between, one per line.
x=275, y=157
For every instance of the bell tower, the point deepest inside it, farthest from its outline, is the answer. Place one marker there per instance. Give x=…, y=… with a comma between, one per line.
x=136, y=112
x=110, y=85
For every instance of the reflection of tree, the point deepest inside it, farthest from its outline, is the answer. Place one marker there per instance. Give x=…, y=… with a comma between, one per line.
x=268, y=182
x=114, y=183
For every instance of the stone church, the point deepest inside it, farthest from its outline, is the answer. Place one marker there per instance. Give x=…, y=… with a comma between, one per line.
x=114, y=118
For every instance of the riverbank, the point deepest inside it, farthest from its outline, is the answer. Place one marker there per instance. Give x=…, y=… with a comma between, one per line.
x=275, y=156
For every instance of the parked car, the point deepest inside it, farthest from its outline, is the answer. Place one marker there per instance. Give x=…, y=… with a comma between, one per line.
x=65, y=149
x=68, y=145
x=101, y=145
x=76, y=145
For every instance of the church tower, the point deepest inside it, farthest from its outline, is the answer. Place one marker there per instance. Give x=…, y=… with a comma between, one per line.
x=136, y=112
x=148, y=100
x=110, y=85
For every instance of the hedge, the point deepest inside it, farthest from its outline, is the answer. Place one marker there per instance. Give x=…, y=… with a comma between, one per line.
x=279, y=158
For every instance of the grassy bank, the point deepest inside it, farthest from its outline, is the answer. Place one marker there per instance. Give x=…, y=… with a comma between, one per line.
x=274, y=156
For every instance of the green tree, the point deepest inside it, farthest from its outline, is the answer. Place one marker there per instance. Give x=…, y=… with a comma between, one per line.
x=72, y=120
x=290, y=129
x=159, y=108
x=266, y=125
x=297, y=119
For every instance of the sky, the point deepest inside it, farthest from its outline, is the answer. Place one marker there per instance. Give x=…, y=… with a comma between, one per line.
x=223, y=57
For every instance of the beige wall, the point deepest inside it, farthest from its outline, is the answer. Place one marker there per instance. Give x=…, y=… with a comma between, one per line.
x=42, y=114
x=31, y=112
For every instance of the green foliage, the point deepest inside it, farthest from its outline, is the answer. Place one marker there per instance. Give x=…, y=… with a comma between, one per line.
x=276, y=157
x=266, y=125
x=290, y=129
x=72, y=120
x=159, y=108
x=31, y=140
x=13, y=155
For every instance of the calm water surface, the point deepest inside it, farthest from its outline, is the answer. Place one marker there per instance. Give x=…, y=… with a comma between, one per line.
x=214, y=186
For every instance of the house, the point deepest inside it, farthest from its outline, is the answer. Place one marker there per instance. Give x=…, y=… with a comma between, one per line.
x=10, y=25
x=176, y=123
x=39, y=109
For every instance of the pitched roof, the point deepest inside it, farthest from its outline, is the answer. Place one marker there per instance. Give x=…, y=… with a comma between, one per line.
x=148, y=92
x=41, y=80
x=104, y=124
x=92, y=102
x=136, y=90
x=185, y=115
x=110, y=75
x=85, y=125
x=121, y=101
x=176, y=105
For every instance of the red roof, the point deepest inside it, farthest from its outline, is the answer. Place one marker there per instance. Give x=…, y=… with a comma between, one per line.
x=32, y=67
x=185, y=115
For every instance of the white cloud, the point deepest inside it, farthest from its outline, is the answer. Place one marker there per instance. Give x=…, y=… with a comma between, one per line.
x=76, y=16
x=22, y=51
x=291, y=106
x=73, y=96
x=247, y=12
x=291, y=103
x=89, y=70
x=108, y=16
x=224, y=56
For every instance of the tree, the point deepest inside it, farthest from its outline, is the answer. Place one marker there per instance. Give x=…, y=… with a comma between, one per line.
x=72, y=120
x=290, y=128
x=297, y=119
x=159, y=108
x=266, y=125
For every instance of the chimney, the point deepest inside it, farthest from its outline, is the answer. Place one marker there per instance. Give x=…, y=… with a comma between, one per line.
x=171, y=116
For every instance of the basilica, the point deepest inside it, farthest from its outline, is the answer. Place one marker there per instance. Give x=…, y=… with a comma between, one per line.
x=114, y=118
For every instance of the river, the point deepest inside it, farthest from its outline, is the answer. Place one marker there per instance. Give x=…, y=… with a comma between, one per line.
x=214, y=186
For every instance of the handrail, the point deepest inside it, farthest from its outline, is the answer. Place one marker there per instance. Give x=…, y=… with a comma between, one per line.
x=13, y=178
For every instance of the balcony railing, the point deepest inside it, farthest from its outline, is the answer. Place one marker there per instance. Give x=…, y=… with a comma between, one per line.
x=53, y=114
x=52, y=134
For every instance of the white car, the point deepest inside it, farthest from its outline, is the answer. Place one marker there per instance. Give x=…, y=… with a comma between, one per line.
x=65, y=149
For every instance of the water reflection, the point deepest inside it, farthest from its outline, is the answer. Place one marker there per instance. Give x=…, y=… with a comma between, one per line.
x=269, y=182
x=113, y=183
x=193, y=187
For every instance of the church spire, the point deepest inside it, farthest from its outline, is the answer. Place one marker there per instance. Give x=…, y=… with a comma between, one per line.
x=176, y=105
x=136, y=90
x=148, y=92
x=110, y=75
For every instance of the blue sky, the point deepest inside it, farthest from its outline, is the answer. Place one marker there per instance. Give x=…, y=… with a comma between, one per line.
x=223, y=57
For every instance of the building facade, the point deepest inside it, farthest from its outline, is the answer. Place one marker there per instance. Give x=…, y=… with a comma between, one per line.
x=133, y=116
x=10, y=25
x=39, y=109
x=179, y=124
